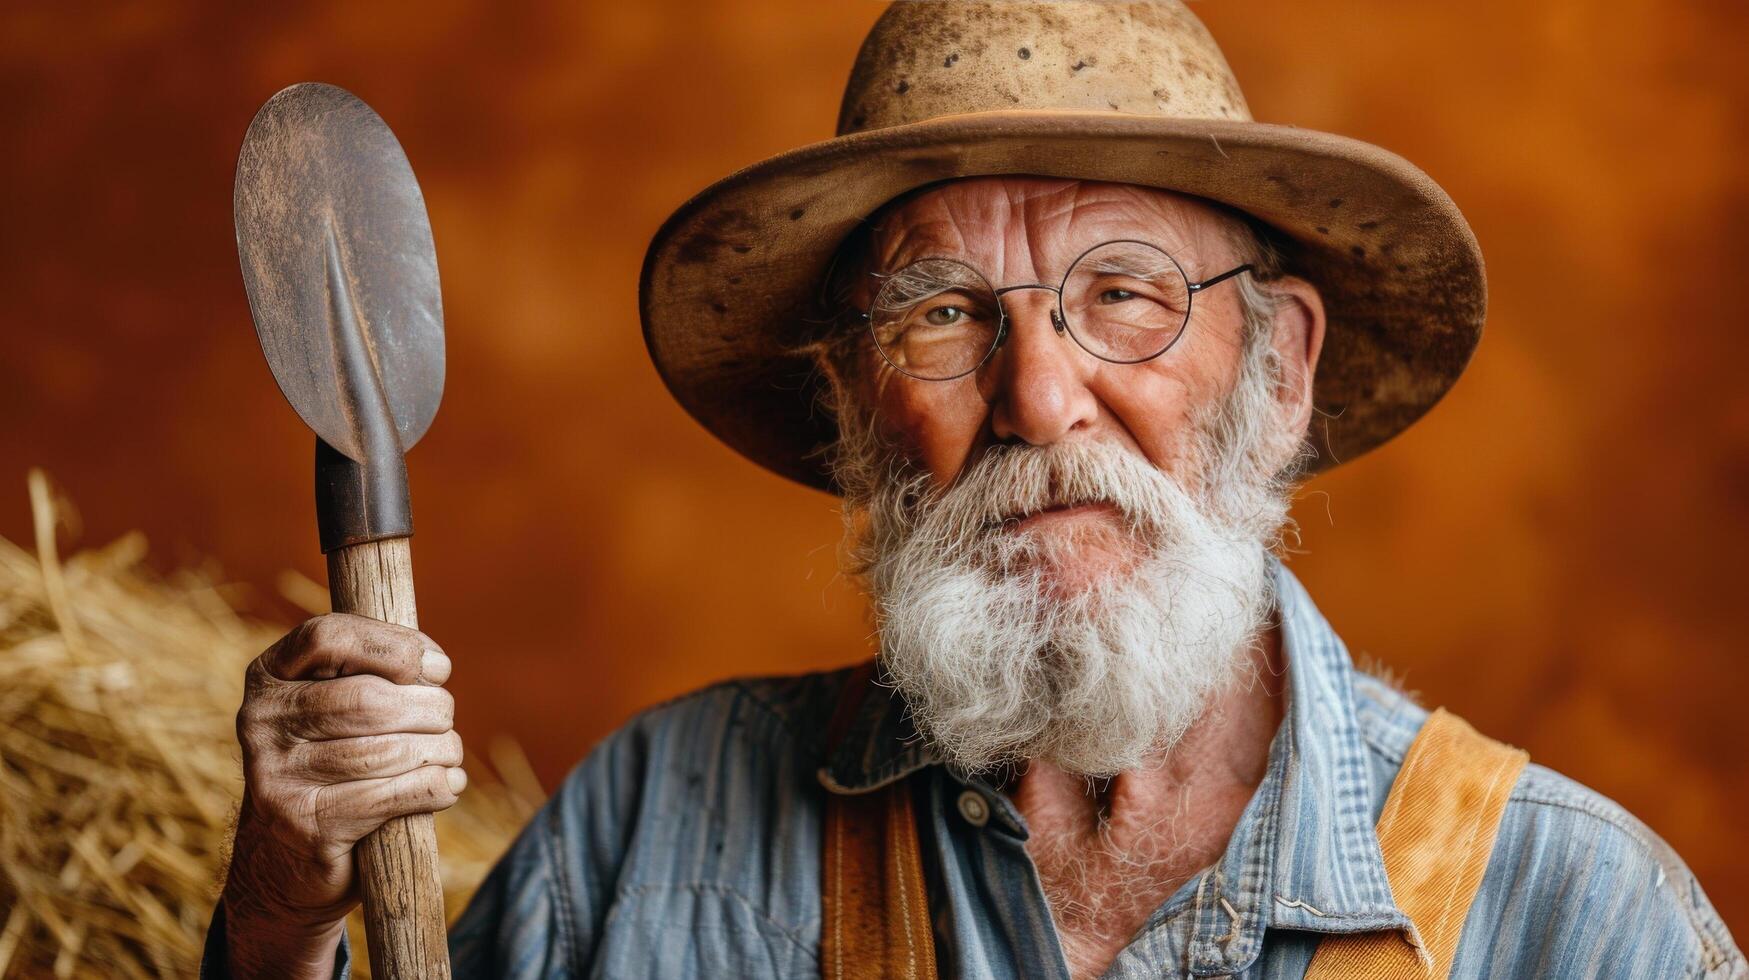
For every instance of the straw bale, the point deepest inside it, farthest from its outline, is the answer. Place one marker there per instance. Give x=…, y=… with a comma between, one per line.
x=119, y=767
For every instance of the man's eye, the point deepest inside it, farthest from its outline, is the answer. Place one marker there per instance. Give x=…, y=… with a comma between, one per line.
x=944, y=316
x=1116, y=296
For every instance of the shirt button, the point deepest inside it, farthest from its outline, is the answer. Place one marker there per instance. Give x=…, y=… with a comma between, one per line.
x=974, y=808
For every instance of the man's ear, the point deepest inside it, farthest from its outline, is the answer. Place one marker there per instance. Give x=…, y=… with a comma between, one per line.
x=1298, y=339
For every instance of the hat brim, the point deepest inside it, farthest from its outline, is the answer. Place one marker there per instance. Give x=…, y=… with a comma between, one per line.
x=731, y=279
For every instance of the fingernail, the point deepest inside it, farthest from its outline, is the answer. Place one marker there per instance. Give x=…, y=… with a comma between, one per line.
x=433, y=667
x=458, y=779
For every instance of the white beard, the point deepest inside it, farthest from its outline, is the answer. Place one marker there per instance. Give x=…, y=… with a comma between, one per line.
x=998, y=662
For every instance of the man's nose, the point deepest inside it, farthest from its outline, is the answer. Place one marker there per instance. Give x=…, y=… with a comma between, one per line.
x=1037, y=382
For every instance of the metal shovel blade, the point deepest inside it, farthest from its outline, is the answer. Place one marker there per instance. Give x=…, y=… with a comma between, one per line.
x=341, y=271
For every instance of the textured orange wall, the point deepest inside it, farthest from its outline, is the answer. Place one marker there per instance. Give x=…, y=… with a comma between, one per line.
x=1553, y=552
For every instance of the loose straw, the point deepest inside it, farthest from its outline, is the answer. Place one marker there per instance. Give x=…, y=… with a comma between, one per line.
x=119, y=768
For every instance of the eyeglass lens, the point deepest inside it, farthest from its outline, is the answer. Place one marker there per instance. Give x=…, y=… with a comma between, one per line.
x=937, y=319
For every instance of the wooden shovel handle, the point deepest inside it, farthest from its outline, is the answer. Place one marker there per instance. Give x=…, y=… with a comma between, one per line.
x=403, y=895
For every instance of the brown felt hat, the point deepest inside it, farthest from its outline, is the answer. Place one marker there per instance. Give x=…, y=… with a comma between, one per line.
x=1134, y=93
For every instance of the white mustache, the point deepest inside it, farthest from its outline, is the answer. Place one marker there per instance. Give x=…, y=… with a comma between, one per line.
x=1011, y=482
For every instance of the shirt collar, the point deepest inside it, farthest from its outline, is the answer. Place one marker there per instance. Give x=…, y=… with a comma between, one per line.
x=880, y=746
x=1304, y=854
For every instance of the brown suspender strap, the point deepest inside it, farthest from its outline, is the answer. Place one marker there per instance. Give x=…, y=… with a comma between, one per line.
x=874, y=921
x=1436, y=831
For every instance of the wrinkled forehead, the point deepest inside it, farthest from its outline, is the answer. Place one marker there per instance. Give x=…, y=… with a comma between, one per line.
x=1029, y=229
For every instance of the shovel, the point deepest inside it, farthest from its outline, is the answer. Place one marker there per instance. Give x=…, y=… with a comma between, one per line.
x=342, y=280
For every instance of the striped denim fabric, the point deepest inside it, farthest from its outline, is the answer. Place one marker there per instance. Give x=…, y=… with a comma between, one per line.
x=688, y=844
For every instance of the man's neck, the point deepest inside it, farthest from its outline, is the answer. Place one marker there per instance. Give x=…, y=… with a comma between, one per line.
x=1110, y=851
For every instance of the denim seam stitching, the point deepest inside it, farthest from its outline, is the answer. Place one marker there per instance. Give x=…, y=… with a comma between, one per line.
x=555, y=842
x=1697, y=923
x=778, y=929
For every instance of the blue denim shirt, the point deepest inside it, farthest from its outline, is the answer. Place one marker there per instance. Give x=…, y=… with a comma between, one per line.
x=688, y=844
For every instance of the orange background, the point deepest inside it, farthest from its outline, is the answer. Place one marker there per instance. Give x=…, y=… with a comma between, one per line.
x=1553, y=552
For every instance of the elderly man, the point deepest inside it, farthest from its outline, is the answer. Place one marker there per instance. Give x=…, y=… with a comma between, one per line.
x=1063, y=326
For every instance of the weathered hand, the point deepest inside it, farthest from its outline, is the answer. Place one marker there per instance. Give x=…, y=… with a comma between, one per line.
x=344, y=726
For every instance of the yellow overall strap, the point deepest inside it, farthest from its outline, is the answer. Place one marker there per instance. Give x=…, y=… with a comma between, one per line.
x=1436, y=831
x=874, y=922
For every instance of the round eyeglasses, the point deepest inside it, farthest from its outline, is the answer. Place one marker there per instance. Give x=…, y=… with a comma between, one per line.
x=1122, y=301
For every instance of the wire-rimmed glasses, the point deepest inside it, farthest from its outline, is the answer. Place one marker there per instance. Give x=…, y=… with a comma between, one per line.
x=1122, y=301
